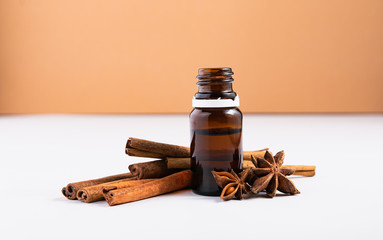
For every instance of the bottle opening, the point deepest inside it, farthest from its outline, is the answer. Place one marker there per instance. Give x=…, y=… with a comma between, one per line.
x=206, y=74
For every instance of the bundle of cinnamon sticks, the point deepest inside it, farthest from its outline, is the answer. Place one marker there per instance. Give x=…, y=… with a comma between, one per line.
x=127, y=189
x=169, y=172
x=176, y=157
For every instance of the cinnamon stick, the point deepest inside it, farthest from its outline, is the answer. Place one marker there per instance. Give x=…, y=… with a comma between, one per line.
x=70, y=191
x=257, y=154
x=139, y=153
x=301, y=167
x=94, y=193
x=302, y=170
x=160, y=148
x=152, y=169
x=144, y=148
x=297, y=168
x=247, y=164
x=305, y=173
x=184, y=163
x=157, y=187
x=181, y=163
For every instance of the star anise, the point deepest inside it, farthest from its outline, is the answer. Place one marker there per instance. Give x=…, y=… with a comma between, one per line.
x=232, y=184
x=271, y=175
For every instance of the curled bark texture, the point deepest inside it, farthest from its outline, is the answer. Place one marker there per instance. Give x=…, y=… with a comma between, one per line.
x=257, y=154
x=181, y=163
x=70, y=191
x=301, y=167
x=94, y=193
x=144, y=148
x=139, y=153
x=185, y=163
x=157, y=187
x=159, y=148
x=305, y=173
x=152, y=169
x=303, y=170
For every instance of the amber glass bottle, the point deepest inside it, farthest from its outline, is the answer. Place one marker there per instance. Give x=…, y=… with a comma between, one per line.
x=216, y=129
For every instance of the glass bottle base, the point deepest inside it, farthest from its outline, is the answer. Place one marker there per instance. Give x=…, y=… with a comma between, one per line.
x=205, y=193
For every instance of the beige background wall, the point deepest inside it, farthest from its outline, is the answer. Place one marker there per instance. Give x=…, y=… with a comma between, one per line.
x=133, y=56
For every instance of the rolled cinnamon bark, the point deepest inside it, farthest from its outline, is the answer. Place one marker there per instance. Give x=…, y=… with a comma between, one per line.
x=152, y=169
x=247, y=164
x=181, y=163
x=94, y=193
x=305, y=173
x=302, y=170
x=160, y=148
x=157, y=187
x=144, y=148
x=301, y=167
x=70, y=191
x=184, y=163
x=257, y=154
x=138, y=153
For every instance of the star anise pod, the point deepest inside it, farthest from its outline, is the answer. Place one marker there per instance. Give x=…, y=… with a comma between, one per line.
x=271, y=175
x=232, y=184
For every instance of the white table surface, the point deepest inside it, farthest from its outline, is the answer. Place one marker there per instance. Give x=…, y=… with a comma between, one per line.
x=40, y=154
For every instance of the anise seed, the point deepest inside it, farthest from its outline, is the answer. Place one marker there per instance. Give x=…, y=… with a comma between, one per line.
x=230, y=190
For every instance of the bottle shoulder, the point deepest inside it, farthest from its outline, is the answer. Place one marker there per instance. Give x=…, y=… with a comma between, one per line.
x=207, y=118
x=233, y=111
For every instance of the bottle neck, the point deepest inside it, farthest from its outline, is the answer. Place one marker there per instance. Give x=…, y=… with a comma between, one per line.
x=215, y=83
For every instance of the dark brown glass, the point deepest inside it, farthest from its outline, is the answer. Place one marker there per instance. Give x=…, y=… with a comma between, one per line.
x=216, y=133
